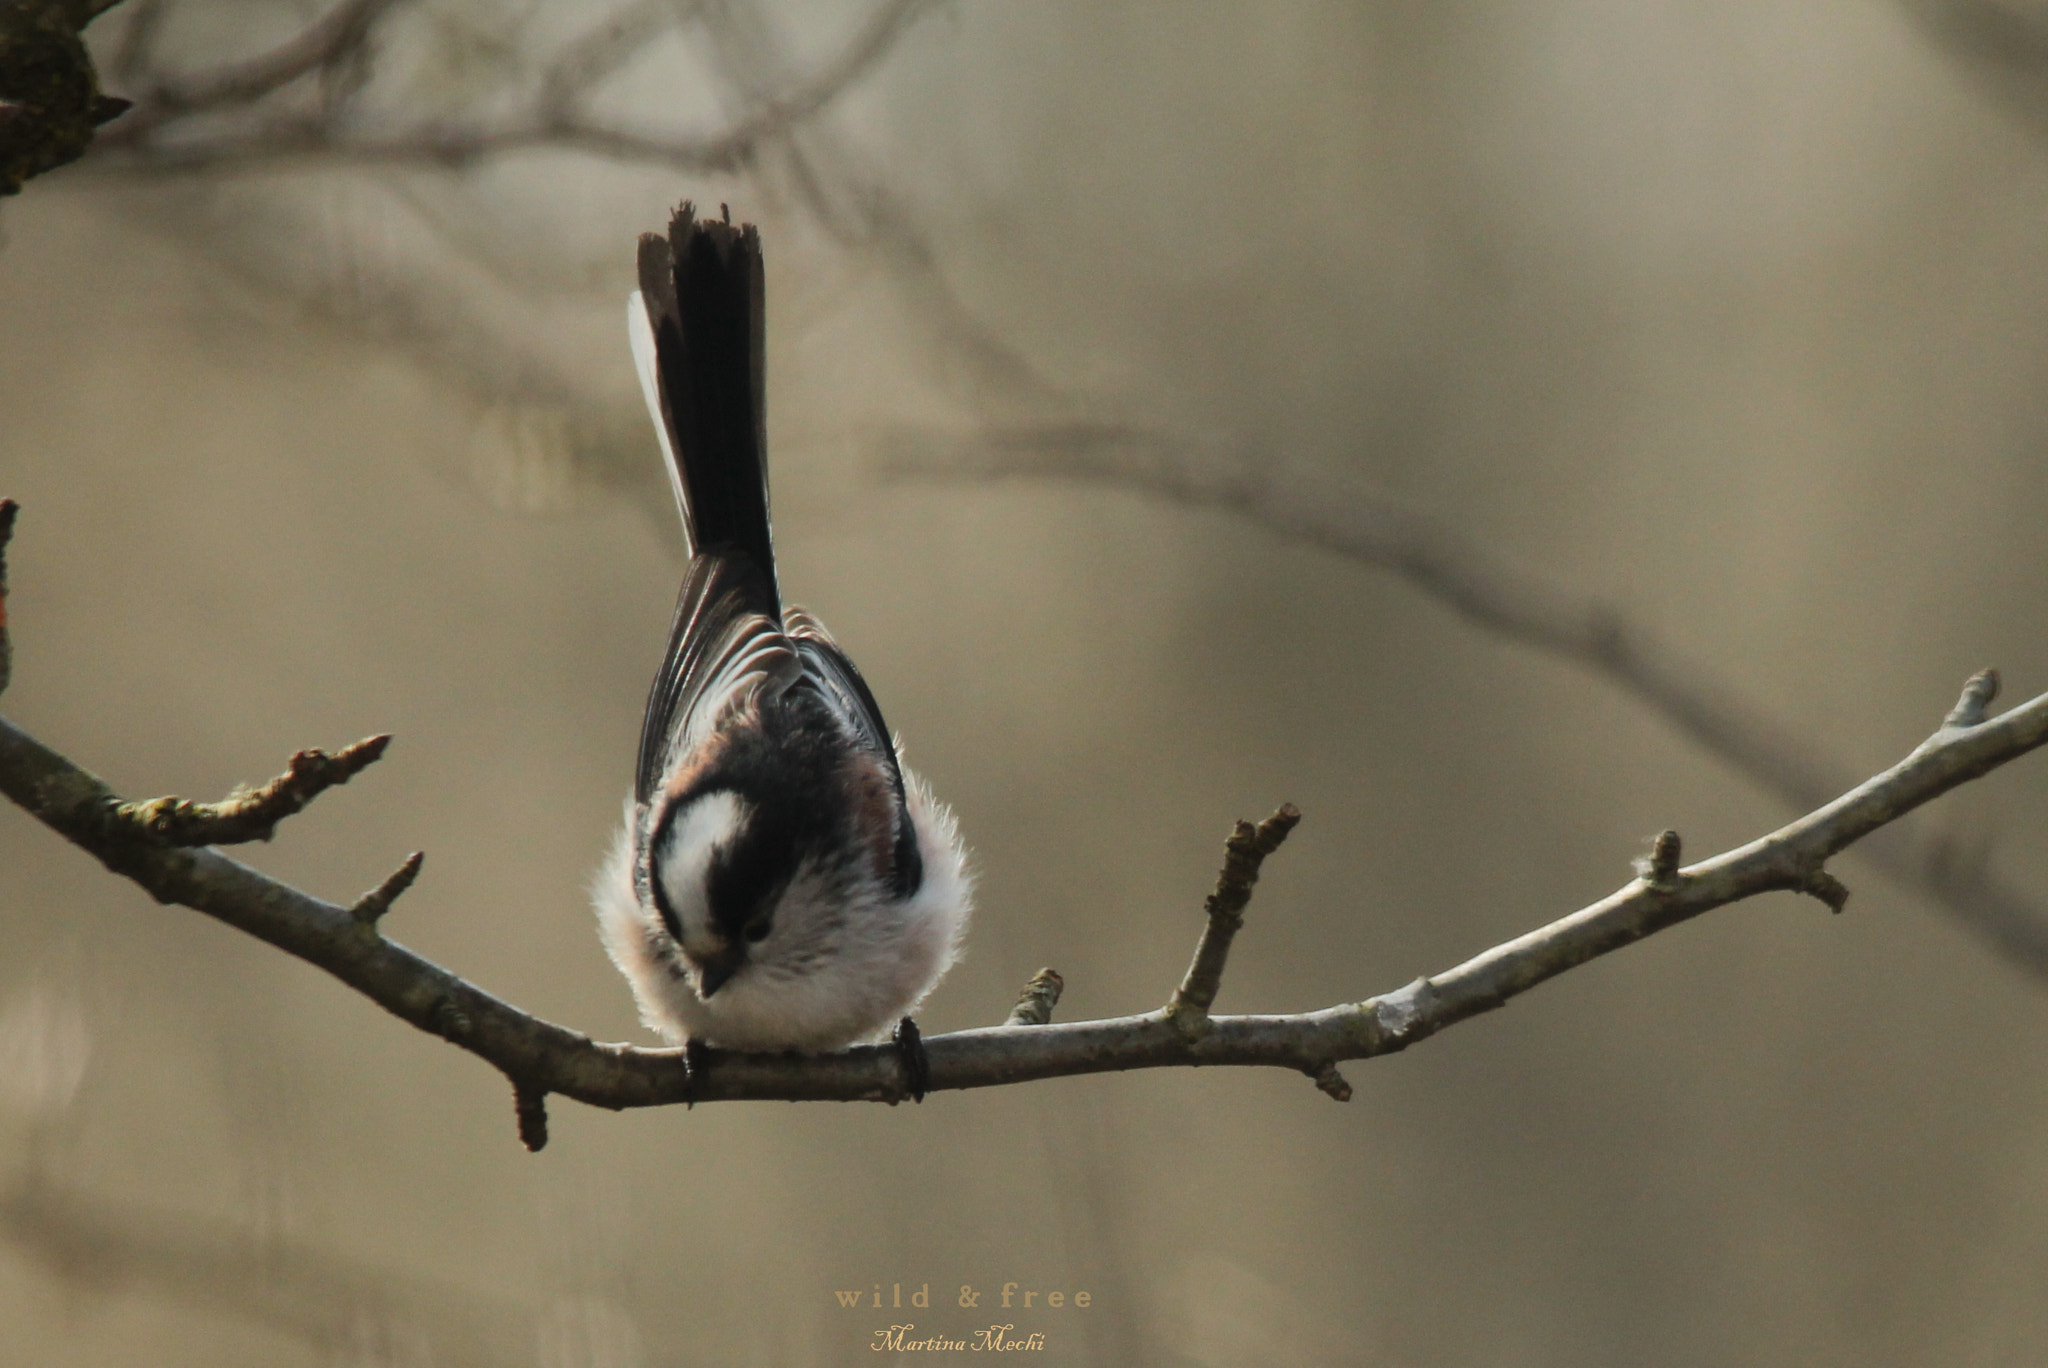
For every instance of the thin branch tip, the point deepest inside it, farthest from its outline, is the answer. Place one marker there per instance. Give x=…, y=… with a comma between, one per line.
x=371, y=907
x=1971, y=709
x=1040, y=996
x=1826, y=887
x=1244, y=852
x=1659, y=869
x=1274, y=830
x=252, y=814
x=1330, y=1081
x=530, y=1107
x=1373, y=528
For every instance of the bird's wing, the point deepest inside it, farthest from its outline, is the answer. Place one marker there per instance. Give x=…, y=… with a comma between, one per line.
x=839, y=683
x=720, y=647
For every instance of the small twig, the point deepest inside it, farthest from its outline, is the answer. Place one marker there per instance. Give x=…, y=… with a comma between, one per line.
x=530, y=1105
x=375, y=903
x=1826, y=887
x=1330, y=1081
x=252, y=814
x=1660, y=868
x=8, y=508
x=1970, y=709
x=1040, y=996
x=343, y=29
x=1243, y=853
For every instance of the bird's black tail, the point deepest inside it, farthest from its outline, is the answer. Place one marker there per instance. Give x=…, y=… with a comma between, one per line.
x=702, y=289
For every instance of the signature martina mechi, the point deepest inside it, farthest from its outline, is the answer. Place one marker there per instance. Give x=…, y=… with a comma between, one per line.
x=996, y=1337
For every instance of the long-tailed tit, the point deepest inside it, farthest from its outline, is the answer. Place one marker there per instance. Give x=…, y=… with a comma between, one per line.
x=782, y=881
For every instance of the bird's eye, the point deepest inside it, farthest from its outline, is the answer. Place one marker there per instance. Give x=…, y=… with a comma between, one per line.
x=756, y=932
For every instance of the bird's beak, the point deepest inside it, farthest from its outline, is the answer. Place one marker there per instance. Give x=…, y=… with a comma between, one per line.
x=715, y=971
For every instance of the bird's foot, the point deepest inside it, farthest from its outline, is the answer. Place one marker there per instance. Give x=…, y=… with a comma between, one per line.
x=696, y=1063
x=917, y=1066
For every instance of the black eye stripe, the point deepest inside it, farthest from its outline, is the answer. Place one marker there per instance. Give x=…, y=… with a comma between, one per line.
x=747, y=876
x=653, y=877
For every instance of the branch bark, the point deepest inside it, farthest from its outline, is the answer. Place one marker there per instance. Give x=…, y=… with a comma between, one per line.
x=540, y=1057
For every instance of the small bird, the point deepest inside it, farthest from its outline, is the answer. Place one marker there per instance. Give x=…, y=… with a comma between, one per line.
x=782, y=882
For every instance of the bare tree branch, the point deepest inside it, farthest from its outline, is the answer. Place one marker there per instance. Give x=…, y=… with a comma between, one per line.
x=327, y=1302
x=331, y=38
x=375, y=903
x=1352, y=520
x=540, y=1057
x=554, y=115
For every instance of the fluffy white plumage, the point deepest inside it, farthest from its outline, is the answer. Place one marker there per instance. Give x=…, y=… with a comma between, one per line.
x=884, y=955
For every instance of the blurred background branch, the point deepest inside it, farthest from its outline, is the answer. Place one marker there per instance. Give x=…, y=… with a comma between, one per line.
x=352, y=1310
x=315, y=98
x=1337, y=514
x=2002, y=44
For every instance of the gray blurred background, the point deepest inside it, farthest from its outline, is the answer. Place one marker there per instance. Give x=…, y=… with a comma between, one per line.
x=1735, y=315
